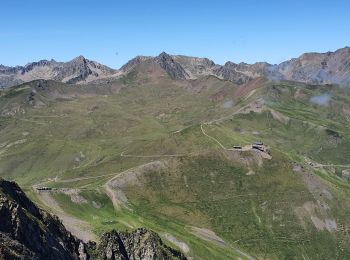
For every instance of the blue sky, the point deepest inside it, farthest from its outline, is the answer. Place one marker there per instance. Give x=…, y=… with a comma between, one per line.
x=112, y=32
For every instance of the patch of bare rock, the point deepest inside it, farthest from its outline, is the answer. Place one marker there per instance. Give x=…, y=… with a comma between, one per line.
x=27, y=232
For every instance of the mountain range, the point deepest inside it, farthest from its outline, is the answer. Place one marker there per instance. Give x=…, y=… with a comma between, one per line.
x=312, y=68
x=173, y=154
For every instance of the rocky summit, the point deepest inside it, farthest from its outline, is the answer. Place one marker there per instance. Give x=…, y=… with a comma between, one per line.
x=78, y=70
x=312, y=68
x=27, y=232
x=139, y=244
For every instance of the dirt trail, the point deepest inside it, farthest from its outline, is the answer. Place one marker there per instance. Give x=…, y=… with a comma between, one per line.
x=151, y=156
x=84, y=178
x=212, y=138
x=72, y=180
x=245, y=148
x=77, y=227
x=255, y=106
x=314, y=164
x=210, y=236
x=114, y=187
x=331, y=165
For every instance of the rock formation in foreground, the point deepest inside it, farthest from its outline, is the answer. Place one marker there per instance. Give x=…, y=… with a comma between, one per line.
x=139, y=244
x=27, y=232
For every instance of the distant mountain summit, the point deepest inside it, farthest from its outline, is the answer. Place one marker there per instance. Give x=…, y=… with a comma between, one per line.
x=313, y=68
x=318, y=68
x=78, y=70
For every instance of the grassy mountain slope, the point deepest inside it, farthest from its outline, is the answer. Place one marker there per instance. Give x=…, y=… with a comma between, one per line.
x=293, y=205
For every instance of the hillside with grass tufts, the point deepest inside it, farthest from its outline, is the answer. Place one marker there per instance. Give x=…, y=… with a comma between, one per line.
x=219, y=170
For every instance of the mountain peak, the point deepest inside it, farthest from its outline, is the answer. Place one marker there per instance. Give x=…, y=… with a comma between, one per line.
x=133, y=62
x=79, y=58
x=312, y=67
x=77, y=70
x=164, y=54
x=164, y=60
x=173, y=68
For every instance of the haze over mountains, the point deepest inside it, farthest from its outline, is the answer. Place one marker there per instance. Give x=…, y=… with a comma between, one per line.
x=312, y=68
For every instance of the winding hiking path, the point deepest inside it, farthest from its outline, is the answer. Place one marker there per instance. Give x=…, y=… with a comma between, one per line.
x=151, y=156
x=245, y=148
x=214, y=139
x=210, y=236
x=331, y=165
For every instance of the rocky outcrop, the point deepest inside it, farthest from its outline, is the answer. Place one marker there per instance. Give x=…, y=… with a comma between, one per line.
x=78, y=70
x=313, y=68
x=164, y=60
x=127, y=67
x=317, y=68
x=228, y=72
x=26, y=232
x=195, y=67
x=173, y=68
x=185, y=67
x=139, y=244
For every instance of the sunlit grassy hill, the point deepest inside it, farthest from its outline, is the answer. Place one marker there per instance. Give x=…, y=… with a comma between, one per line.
x=146, y=150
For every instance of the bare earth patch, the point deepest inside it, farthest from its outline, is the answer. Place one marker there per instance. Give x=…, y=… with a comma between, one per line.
x=208, y=235
x=182, y=245
x=74, y=195
x=317, y=211
x=77, y=227
x=317, y=215
x=114, y=187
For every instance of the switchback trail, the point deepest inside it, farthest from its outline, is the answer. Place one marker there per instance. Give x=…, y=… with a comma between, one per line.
x=151, y=156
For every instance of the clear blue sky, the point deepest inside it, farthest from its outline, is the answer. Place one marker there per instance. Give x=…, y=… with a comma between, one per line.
x=112, y=32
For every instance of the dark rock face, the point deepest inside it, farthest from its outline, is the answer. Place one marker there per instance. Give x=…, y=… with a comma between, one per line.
x=41, y=63
x=164, y=60
x=139, y=244
x=174, y=69
x=112, y=247
x=229, y=72
x=26, y=232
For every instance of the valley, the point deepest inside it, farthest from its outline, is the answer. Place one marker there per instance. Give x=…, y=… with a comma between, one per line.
x=183, y=157
x=174, y=130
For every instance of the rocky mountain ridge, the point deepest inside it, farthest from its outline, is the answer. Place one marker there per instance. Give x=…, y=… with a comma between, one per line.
x=78, y=70
x=27, y=232
x=138, y=244
x=313, y=68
